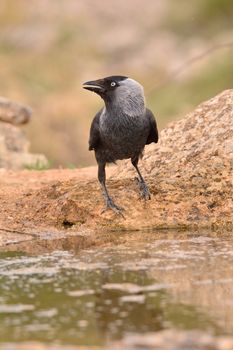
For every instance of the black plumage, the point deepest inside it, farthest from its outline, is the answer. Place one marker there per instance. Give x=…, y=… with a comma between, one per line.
x=121, y=129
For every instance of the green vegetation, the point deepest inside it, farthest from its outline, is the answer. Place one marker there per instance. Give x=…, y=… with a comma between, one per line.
x=71, y=166
x=38, y=166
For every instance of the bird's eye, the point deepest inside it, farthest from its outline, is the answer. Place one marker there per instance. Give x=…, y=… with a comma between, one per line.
x=113, y=83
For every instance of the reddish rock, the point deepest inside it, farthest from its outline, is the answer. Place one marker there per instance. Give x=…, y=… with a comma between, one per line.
x=189, y=173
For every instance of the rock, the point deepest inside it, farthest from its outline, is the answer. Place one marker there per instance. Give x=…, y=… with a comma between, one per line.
x=225, y=343
x=200, y=145
x=189, y=173
x=193, y=163
x=14, y=147
x=14, y=150
x=13, y=112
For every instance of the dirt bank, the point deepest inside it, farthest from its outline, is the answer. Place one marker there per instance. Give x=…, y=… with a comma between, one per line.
x=189, y=173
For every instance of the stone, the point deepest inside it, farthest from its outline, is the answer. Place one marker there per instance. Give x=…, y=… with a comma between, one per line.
x=200, y=142
x=13, y=112
x=14, y=146
x=189, y=174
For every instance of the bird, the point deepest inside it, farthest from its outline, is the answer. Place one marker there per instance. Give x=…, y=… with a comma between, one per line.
x=121, y=129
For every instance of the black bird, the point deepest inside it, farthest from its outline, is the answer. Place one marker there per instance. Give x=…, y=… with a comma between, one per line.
x=121, y=129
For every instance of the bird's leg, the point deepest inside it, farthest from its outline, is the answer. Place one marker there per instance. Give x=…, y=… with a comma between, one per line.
x=145, y=193
x=108, y=200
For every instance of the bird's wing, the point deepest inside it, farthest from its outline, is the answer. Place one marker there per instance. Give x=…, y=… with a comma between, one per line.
x=94, y=138
x=153, y=133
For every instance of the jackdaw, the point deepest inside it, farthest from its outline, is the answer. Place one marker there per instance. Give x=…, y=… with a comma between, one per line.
x=121, y=129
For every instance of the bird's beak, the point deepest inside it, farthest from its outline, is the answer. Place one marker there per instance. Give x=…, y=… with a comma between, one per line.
x=95, y=86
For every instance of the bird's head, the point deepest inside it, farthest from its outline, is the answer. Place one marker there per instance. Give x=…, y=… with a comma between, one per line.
x=119, y=92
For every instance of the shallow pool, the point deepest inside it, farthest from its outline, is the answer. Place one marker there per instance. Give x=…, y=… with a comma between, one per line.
x=177, y=281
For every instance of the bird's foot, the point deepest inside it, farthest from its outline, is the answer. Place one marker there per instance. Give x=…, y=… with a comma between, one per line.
x=111, y=205
x=144, y=191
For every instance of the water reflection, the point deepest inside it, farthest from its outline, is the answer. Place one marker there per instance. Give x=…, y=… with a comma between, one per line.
x=179, y=281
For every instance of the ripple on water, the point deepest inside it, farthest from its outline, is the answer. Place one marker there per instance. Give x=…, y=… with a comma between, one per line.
x=105, y=293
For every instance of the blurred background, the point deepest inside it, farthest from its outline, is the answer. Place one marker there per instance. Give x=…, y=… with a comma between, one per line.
x=48, y=48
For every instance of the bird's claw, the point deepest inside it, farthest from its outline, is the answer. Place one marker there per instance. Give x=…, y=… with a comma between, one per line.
x=111, y=205
x=145, y=193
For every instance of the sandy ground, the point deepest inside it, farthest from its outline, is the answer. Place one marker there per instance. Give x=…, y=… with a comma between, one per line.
x=31, y=179
x=17, y=184
x=47, y=210
x=37, y=234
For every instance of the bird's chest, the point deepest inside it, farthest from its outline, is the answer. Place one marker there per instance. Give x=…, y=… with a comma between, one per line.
x=121, y=129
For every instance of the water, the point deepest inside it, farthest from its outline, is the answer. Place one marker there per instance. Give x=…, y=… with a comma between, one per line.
x=162, y=281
